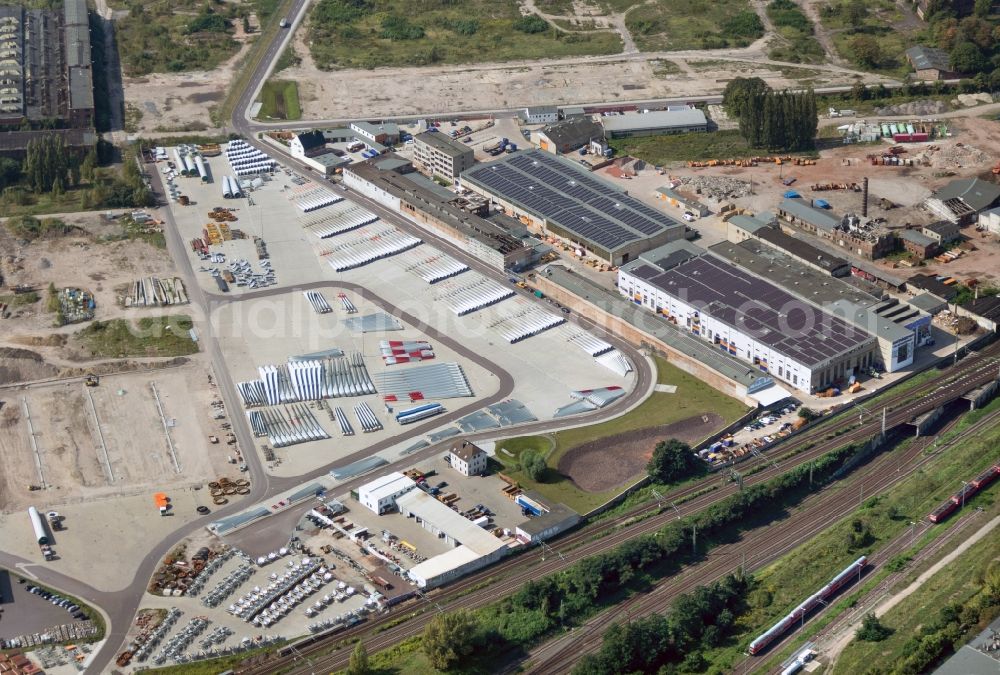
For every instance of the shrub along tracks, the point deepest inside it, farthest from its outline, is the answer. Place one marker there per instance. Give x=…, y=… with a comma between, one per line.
x=481, y=588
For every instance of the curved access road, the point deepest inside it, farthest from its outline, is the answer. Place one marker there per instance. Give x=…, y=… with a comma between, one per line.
x=120, y=606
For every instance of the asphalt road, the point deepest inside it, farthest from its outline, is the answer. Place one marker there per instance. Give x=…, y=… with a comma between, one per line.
x=119, y=607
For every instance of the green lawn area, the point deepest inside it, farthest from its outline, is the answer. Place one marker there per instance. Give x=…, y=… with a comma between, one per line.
x=958, y=583
x=700, y=24
x=555, y=6
x=796, y=575
x=150, y=336
x=280, y=101
x=160, y=36
x=659, y=150
x=692, y=397
x=363, y=34
x=40, y=204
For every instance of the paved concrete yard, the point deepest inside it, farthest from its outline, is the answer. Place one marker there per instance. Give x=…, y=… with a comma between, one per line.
x=472, y=490
x=545, y=367
x=126, y=527
x=272, y=216
x=269, y=330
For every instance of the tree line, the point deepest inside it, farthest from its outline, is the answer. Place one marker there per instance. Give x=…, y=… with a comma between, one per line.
x=541, y=607
x=772, y=120
x=49, y=167
x=704, y=618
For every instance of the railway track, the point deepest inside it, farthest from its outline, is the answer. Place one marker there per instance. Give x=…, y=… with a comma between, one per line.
x=815, y=515
x=483, y=587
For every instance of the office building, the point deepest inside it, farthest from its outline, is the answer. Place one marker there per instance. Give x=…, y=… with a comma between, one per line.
x=437, y=155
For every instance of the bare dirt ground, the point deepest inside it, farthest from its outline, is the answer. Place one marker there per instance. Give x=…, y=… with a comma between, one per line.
x=387, y=92
x=629, y=76
x=601, y=465
x=181, y=102
x=79, y=260
x=71, y=442
x=970, y=152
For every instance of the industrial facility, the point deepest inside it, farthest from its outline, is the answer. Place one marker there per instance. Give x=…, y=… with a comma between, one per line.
x=45, y=63
x=751, y=319
x=899, y=327
x=558, y=197
x=859, y=235
x=673, y=120
x=467, y=221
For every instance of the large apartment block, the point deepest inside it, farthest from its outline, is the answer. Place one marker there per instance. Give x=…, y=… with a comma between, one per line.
x=437, y=155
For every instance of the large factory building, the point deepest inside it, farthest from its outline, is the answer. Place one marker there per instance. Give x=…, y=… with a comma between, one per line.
x=557, y=197
x=751, y=319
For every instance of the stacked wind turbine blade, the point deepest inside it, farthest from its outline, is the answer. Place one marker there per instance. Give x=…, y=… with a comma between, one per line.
x=345, y=425
x=366, y=418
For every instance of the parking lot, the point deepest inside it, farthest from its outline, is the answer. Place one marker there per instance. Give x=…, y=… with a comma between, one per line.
x=24, y=613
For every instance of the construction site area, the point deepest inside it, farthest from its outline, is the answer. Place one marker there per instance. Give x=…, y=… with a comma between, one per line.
x=72, y=397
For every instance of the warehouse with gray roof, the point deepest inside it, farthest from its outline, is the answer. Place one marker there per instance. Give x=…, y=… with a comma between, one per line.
x=47, y=73
x=560, y=198
x=753, y=320
x=678, y=120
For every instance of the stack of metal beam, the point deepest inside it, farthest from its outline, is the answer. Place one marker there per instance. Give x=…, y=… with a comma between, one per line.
x=474, y=295
x=372, y=246
x=348, y=305
x=156, y=292
x=587, y=342
x=311, y=196
x=345, y=425
x=339, y=218
x=616, y=361
x=433, y=268
x=522, y=320
x=405, y=351
x=366, y=418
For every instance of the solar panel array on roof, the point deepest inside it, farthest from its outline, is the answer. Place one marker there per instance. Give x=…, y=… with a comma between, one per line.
x=769, y=314
x=556, y=190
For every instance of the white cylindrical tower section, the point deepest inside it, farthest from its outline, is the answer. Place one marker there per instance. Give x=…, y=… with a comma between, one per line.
x=36, y=523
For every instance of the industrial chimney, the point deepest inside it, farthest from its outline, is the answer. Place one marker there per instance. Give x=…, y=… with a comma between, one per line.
x=864, y=198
